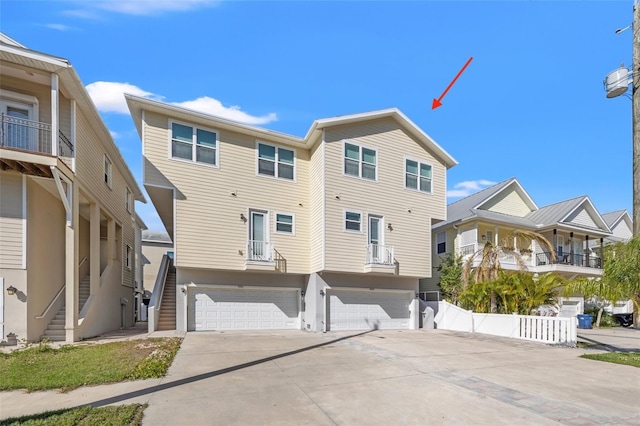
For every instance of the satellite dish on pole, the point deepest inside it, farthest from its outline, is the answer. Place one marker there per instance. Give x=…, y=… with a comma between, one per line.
x=617, y=82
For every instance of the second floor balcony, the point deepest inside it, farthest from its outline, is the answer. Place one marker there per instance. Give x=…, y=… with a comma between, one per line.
x=574, y=259
x=379, y=258
x=33, y=136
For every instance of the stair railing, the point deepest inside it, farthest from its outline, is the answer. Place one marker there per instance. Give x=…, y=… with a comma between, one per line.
x=153, y=310
x=53, y=301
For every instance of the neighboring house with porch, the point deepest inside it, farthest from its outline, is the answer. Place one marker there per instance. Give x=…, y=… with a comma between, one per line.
x=330, y=231
x=501, y=210
x=67, y=211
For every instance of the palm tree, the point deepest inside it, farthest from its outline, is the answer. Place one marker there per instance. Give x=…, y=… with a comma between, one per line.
x=488, y=268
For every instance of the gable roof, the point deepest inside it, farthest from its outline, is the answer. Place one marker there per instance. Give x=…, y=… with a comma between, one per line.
x=559, y=213
x=137, y=104
x=470, y=206
x=613, y=218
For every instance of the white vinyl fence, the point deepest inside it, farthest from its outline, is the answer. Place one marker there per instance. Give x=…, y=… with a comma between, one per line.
x=553, y=330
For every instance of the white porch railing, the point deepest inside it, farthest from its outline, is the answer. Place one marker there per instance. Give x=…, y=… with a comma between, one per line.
x=468, y=249
x=379, y=255
x=550, y=330
x=260, y=251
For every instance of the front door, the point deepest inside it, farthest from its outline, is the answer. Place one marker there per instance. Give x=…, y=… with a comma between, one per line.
x=259, y=236
x=15, y=126
x=376, y=242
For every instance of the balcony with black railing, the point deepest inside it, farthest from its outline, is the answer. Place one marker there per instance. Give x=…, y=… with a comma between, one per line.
x=32, y=136
x=571, y=259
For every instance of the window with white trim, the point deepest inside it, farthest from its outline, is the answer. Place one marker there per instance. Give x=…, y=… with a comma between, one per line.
x=418, y=176
x=352, y=221
x=285, y=223
x=441, y=242
x=128, y=260
x=128, y=200
x=107, y=171
x=276, y=161
x=194, y=144
x=360, y=161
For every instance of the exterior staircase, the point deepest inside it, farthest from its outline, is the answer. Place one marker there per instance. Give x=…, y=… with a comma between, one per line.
x=55, y=330
x=167, y=320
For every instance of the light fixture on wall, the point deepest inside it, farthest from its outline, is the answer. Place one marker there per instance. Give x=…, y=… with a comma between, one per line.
x=321, y=292
x=389, y=227
x=11, y=290
x=243, y=217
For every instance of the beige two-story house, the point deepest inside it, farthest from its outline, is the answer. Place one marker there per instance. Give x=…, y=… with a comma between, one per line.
x=496, y=214
x=330, y=231
x=67, y=213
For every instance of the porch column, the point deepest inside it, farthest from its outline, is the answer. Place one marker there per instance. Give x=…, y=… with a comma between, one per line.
x=555, y=242
x=495, y=237
x=72, y=136
x=72, y=254
x=571, y=253
x=54, y=114
x=94, y=247
x=111, y=241
x=475, y=248
x=587, y=256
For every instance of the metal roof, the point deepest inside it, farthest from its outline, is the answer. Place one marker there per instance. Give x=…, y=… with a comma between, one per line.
x=156, y=237
x=554, y=213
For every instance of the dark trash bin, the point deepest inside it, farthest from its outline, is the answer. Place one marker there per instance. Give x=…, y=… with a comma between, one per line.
x=584, y=321
x=625, y=320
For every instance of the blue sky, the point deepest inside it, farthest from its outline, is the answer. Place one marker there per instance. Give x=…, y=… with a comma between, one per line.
x=530, y=105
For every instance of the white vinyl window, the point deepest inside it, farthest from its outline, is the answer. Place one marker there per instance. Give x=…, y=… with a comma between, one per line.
x=360, y=161
x=285, y=223
x=107, y=171
x=128, y=200
x=276, y=161
x=194, y=144
x=418, y=176
x=352, y=221
x=441, y=241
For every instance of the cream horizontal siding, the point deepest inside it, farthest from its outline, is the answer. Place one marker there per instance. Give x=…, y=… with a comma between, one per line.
x=209, y=231
x=156, y=148
x=411, y=235
x=89, y=172
x=317, y=210
x=508, y=202
x=40, y=91
x=11, y=220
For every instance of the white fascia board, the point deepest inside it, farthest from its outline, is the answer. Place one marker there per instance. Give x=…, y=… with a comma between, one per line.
x=139, y=103
x=592, y=211
x=36, y=56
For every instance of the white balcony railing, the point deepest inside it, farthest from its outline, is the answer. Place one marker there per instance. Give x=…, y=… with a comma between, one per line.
x=468, y=249
x=260, y=251
x=379, y=255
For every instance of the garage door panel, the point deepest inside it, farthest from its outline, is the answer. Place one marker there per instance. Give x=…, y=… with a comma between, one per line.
x=361, y=311
x=220, y=309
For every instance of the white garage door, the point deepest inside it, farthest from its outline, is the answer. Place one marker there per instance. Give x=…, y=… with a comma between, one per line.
x=361, y=310
x=244, y=309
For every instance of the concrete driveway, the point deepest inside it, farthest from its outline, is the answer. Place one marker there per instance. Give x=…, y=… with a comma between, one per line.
x=387, y=377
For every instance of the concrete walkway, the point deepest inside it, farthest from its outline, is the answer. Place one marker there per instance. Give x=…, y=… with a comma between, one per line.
x=379, y=377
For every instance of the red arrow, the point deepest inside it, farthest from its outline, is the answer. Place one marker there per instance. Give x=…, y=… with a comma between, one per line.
x=436, y=102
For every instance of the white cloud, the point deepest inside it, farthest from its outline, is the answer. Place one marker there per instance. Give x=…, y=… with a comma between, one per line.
x=114, y=135
x=213, y=106
x=58, y=27
x=468, y=187
x=87, y=9
x=109, y=97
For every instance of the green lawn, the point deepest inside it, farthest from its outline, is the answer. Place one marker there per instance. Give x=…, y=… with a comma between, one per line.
x=41, y=367
x=626, y=358
x=104, y=416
